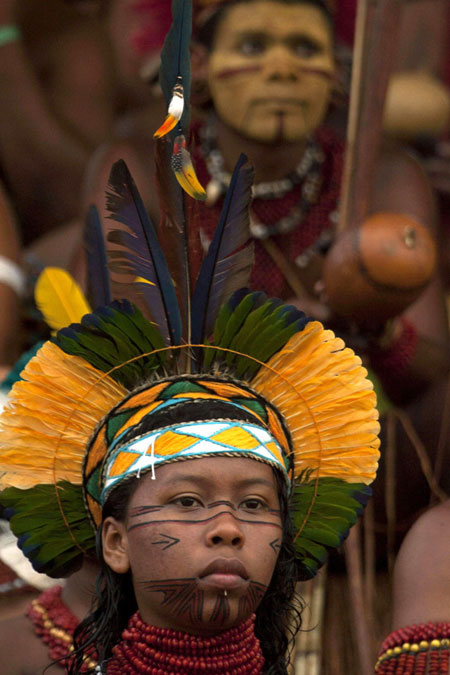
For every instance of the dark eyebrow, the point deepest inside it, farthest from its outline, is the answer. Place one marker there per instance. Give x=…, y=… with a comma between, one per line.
x=189, y=478
x=204, y=480
x=249, y=482
x=294, y=35
x=254, y=32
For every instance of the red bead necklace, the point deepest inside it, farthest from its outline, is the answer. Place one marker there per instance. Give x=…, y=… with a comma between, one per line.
x=54, y=624
x=149, y=650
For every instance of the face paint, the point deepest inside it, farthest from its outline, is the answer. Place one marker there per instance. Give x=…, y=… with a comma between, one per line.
x=197, y=541
x=271, y=70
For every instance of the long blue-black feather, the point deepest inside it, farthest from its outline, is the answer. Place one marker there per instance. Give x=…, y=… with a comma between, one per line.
x=138, y=253
x=230, y=255
x=98, y=283
x=175, y=56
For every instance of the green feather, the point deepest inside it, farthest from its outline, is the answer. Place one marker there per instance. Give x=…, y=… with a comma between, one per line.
x=250, y=323
x=35, y=518
x=229, y=320
x=113, y=335
x=335, y=509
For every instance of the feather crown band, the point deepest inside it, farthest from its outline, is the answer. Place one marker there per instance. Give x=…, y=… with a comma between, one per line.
x=212, y=417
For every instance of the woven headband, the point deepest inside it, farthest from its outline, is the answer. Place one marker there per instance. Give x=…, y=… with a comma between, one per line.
x=135, y=437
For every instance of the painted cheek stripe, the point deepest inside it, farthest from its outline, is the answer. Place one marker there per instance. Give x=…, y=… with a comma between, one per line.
x=203, y=520
x=231, y=72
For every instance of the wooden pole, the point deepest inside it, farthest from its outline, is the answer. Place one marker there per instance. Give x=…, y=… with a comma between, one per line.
x=362, y=633
x=373, y=55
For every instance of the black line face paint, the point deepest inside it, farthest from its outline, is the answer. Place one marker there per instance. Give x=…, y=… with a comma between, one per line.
x=222, y=502
x=204, y=520
x=181, y=596
x=250, y=601
x=275, y=545
x=143, y=510
x=166, y=541
x=186, y=601
x=221, y=611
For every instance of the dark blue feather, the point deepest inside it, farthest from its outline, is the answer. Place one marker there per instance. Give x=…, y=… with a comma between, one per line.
x=137, y=253
x=228, y=263
x=98, y=285
x=176, y=58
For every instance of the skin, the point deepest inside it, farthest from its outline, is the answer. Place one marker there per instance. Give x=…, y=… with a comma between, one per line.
x=270, y=72
x=422, y=571
x=211, y=511
x=68, y=110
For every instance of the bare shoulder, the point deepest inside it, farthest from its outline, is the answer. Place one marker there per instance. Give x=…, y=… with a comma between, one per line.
x=422, y=570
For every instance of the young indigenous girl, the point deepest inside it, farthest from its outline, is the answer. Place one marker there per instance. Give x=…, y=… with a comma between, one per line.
x=210, y=491
x=208, y=501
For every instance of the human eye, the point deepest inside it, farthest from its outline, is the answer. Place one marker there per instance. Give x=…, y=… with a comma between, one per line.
x=251, y=44
x=305, y=47
x=187, y=501
x=253, y=504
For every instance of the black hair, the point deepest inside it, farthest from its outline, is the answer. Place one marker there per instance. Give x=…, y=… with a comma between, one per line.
x=278, y=617
x=205, y=33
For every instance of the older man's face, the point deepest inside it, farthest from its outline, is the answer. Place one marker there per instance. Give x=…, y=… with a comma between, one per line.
x=271, y=70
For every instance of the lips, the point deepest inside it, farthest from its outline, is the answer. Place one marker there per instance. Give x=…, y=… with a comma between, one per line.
x=225, y=566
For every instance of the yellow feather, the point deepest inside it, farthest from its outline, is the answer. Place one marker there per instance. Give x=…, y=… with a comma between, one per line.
x=60, y=298
x=50, y=416
x=191, y=177
x=323, y=392
x=191, y=187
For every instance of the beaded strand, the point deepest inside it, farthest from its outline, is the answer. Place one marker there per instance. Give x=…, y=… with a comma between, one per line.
x=423, y=649
x=55, y=624
x=149, y=650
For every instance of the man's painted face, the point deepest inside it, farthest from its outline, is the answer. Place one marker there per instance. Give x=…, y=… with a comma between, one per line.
x=271, y=69
x=203, y=540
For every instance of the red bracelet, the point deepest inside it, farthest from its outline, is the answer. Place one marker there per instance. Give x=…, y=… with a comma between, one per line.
x=422, y=649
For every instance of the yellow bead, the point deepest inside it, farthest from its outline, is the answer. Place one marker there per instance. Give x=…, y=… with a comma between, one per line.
x=424, y=644
x=435, y=643
x=389, y=652
x=406, y=646
x=414, y=648
x=397, y=650
x=445, y=642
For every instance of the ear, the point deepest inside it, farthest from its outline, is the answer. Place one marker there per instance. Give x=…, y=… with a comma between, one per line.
x=115, y=545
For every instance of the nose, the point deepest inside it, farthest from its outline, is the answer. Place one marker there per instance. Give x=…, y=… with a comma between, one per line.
x=225, y=530
x=280, y=65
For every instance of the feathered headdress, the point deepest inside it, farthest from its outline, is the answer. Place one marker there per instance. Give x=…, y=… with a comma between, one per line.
x=165, y=338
